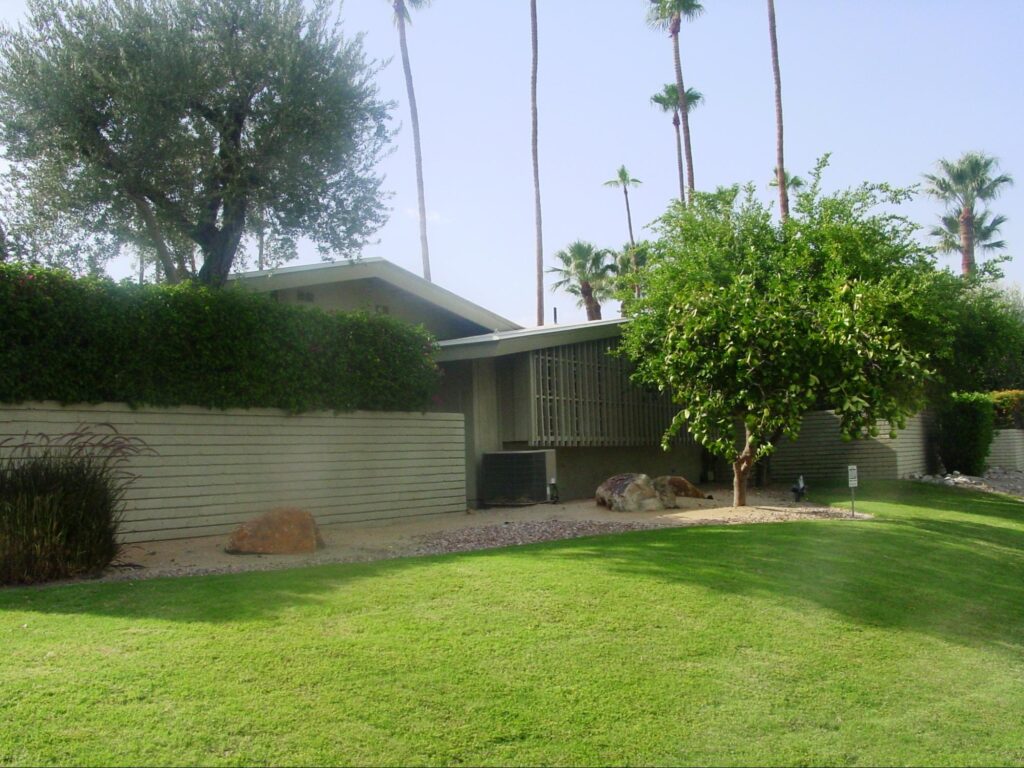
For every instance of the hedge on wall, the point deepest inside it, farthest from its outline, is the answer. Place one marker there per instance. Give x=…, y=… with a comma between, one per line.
x=965, y=432
x=88, y=340
x=1009, y=407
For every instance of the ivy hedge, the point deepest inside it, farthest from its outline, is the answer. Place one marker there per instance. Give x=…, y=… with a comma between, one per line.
x=91, y=340
x=1009, y=407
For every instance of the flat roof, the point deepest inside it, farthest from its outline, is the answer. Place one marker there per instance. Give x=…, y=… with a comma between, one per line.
x=306, y=275
x=526, y=339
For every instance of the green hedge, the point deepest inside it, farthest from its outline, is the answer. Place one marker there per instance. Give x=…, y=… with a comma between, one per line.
x=1009, y=408
x=87, y=340
x=965, y=432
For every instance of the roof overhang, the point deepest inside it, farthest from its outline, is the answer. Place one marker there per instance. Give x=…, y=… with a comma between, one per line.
x=363, y=269
x=526, y=340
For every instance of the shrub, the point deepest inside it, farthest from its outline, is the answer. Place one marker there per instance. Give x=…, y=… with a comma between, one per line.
x=965, y=432
x=90, y=340
x=61, y=502
x=1009, y=408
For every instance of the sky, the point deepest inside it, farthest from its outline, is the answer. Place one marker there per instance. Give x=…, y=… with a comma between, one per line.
x=886, y=86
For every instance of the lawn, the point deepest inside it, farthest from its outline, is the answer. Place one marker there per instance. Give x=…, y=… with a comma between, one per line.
x=898, y=640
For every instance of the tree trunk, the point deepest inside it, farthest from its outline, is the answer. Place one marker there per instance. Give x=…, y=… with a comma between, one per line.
x=967, y=241
x=219, y=246
x=629, y=221
x=400, y=13
x=536, y=167
x=592, y=305
x=780, y=162
x=674, y=32
x=157, y=239
x=679, y=157
x=741, y=471
x=261, y=245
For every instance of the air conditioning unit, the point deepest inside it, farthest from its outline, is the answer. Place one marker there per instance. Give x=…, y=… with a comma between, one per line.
x=513, y=478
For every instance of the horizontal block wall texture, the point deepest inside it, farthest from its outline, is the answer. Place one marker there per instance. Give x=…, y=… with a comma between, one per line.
x=212, y=470
x=1007, y=451
x=821, y=455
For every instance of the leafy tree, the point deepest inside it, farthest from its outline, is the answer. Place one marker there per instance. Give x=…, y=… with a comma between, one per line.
x=624, y=180
x=539, y=258
x=587, y=272
x=172, y=119
x=983, y=332
x=668, y=100
x=402, y=18
x=750, y=323
x=780, y=162
x=963, y=184
x=668, y=15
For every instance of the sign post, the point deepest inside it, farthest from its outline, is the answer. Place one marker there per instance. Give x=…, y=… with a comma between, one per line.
x=851, y=474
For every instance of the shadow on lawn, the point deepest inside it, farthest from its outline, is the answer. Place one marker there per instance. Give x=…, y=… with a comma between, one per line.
x=950, y=572
x=960, y=578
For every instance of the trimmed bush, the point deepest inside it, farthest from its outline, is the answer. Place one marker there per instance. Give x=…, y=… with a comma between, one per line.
x=61, y=503
x=965, y=432
x=89, y=340
x=1009, y=408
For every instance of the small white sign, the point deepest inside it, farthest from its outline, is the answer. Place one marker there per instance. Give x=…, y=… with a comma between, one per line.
x=851, y=471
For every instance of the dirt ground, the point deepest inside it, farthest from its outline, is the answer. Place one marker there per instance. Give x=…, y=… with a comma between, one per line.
x=475, y=529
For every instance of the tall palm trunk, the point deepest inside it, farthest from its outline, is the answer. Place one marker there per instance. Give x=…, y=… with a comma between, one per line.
x=780, y=165
x=966, y=241
x=629, y=223
x=536, y=166
x=400, y=14
x=679, y=157
x=592, y=305
x=674, y=33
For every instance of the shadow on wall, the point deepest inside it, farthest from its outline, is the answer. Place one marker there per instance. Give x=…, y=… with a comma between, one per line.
x=581, y=470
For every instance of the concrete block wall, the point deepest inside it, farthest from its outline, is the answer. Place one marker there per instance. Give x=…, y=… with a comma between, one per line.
x=1007, y=451
x=820, y=454
x=212, y=470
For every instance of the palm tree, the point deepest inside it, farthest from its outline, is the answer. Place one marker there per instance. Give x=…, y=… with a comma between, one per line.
x=668, y=100
x=587, y=272
x=985, y=232
x=780, y=164
x=795, y=183
x=962, y=184
x=668, y=14
x=536, y=166
x=402, y=18
x=624, y=180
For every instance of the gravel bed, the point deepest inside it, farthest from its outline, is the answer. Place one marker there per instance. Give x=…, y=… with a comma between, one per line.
x=510, y=534
x=466, y=539
x=995, y=480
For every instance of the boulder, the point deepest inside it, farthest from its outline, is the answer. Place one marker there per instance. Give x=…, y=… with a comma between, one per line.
x=671, y=487
x=629, y=492
x=284, y=531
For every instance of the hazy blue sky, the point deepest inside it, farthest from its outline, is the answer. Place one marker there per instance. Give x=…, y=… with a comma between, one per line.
x=886, y=86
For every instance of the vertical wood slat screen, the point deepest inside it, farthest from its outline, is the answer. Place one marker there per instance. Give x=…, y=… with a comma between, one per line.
x=583, y=398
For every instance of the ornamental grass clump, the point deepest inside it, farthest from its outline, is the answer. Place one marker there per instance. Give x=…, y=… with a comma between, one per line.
x=61, y=503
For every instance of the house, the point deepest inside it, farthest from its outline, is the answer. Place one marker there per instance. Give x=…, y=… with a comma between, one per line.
x=555, y=388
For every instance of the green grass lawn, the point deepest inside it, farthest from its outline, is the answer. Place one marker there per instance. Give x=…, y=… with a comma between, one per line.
x=898, y=640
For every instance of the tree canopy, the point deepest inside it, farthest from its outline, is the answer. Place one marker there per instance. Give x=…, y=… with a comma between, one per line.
x=177, y=124
x=749, y=323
